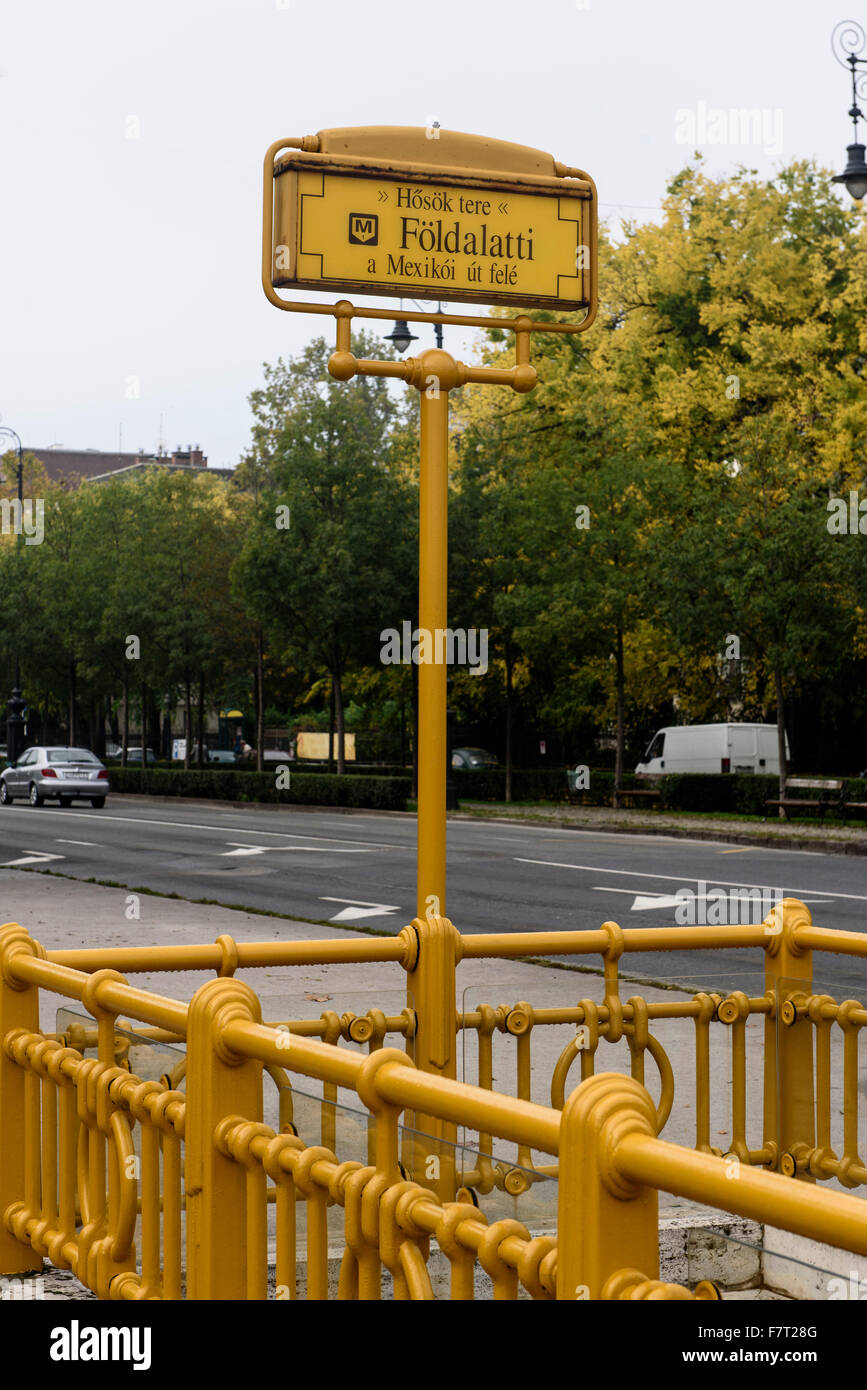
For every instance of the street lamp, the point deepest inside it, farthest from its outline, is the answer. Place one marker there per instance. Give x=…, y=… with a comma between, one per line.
x=401, y=335
x=16, y=705
x=847, y=41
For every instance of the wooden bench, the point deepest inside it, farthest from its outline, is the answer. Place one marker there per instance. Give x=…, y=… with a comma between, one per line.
x=575, y=792
x=825, y=786
x=858, y=806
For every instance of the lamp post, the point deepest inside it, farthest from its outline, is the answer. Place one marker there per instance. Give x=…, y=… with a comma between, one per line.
x=401, y=335
x=16, y=704
x=847, y=41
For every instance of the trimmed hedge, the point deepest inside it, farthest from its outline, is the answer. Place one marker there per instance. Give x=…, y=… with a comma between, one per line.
x=310, y=789
x=736, y=793
x=741, y=794
x=528, y=784
x=537, y=784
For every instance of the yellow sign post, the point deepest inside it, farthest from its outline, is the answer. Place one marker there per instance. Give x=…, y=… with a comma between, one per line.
x=437, y=214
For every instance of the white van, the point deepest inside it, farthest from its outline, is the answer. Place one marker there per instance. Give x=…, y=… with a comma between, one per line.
x=713, y=748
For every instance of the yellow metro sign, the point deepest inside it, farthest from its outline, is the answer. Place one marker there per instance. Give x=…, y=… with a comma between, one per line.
x=506, y=236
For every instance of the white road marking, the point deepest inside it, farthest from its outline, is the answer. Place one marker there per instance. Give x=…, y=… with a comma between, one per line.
x=285, y=849
x=91, y=844
x=104, y=816
x=34, y=856
x=360, y=909
x=686, y=878
x=643, y=901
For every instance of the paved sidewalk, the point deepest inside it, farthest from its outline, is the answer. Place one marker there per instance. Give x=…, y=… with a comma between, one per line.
x=832, y=837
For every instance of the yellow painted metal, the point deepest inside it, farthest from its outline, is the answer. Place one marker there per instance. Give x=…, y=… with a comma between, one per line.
x=220, y=1086
x=226, y=958
x=438, y=370
x=594, y=1200
x=817, y=1213
x=346, y=218
x=19, y=1009
x=431, y=988
x=305, y=240
x=790, y=1118
x=420, y=235
x=611, y=1161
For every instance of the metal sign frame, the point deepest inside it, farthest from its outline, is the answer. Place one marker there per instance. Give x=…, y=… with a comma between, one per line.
x=488, y=165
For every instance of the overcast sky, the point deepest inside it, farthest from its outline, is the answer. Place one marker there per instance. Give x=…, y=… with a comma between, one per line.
x=133, y=137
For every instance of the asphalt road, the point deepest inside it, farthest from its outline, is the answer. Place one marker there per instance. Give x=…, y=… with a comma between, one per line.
x=359, y=869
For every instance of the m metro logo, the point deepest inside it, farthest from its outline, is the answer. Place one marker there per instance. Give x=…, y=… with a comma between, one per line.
x=363, y=228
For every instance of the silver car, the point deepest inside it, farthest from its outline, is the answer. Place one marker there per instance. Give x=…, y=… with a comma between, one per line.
x=64, y=773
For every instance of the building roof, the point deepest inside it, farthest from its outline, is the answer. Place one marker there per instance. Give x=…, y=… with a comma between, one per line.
x=77, y=464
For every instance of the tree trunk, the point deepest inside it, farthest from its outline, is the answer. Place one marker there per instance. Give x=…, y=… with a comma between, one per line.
x=188, y=721
x=618, y=756
x=260, y=703
x=124, y=744
x=200, y=721
x=144, y=724
x=331, y=728
x=161, y=747
x=781, y=735
x=508, y=654
x=96, y=726
x=341, y=731
x=72, y=683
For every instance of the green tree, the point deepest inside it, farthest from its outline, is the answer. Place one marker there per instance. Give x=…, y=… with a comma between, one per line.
x=329, y=557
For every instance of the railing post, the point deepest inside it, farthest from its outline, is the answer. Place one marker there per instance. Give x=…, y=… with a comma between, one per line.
x=19, y=1161
x=431, y=992
x=220, y=1085
x=604, y=1222
x=789, y=1099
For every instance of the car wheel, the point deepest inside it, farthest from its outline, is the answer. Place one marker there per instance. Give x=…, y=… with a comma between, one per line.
x=97, y=802
x=5, y=798
x=65, y=800
x=36, y=797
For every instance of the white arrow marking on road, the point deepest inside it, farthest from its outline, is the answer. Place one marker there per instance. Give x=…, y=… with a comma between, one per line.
x=298, y=849
x=645, y=901
x=361, y=910
x=34, y=856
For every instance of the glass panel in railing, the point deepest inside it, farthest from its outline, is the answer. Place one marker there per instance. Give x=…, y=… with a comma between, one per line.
x=353, y=1019
x=146, y=1056
x=449, y=1170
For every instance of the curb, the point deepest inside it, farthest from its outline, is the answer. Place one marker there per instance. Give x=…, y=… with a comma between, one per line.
x=734, y=837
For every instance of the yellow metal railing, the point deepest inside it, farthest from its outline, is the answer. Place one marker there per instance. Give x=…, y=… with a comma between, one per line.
x=796, y=1085
x=145, y=1190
